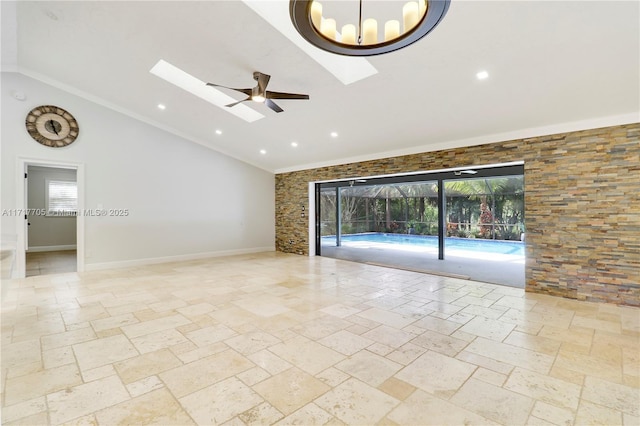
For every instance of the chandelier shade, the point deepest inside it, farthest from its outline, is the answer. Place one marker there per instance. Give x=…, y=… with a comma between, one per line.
x=364, y=38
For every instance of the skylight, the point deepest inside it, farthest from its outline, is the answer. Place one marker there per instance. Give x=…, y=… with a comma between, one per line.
x=346, y=69
x=191, y=84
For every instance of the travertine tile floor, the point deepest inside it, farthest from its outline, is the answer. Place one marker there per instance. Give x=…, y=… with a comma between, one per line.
x=284, y=339
x=50, y=262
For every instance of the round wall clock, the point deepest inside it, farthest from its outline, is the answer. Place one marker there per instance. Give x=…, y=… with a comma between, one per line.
x=52, y=126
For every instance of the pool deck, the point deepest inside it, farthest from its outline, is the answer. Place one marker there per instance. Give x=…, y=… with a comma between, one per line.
x=490, y=268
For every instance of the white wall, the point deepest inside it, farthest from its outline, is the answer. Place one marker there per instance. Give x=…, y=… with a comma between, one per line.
x=48, y=232
x=183, y=199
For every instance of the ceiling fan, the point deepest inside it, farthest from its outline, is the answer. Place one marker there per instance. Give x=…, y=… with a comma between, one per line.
x=260, y=94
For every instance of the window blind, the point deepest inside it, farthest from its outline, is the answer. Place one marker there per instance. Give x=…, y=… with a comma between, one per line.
x=62, y=197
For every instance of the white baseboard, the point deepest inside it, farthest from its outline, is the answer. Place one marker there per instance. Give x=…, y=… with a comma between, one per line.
x=51, y=248
x=8, y=241
x=178, y=258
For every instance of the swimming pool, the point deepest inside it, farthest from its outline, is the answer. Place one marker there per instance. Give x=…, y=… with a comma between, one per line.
x=429, y=243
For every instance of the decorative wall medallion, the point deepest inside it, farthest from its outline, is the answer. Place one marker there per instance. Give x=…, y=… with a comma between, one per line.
x=52, y=126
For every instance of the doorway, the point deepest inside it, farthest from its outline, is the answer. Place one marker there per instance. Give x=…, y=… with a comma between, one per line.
x=50, y=233
x=52, y=209
x=465, y=223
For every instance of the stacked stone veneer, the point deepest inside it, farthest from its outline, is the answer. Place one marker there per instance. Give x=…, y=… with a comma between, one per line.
x=582, y=206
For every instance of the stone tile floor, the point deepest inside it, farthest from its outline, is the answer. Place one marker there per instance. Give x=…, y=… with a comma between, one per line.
x=50, y=262
x=283, y=339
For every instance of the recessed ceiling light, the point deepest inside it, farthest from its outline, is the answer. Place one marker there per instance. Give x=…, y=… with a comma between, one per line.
x=334, y=134
x=482, y=75
x=263, y=151
x=162, y=106
x=294, y=144
x=191, y=84
x=218, y=132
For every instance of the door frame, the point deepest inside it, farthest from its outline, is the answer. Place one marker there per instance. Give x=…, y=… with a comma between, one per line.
x=21, y=203
x=439, y=176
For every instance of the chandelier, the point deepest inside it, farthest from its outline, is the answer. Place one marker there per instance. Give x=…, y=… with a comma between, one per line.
x=415, y=19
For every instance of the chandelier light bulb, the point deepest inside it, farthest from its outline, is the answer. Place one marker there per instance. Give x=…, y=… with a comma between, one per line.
x=349, y=34
x=370, y=31
x=316, y=14
x=391, y=30
x=410, y=16
x=328, y=28
x=423, y=8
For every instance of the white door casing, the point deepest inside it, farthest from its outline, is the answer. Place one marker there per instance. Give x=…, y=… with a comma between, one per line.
x=22, y=204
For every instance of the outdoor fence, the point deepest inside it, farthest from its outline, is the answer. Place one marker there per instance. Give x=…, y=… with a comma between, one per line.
x=494, y=230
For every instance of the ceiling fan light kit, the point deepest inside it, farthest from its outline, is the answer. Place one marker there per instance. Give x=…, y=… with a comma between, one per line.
x=364, y=38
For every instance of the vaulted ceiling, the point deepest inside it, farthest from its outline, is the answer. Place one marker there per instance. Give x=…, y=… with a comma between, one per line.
x=553, y=66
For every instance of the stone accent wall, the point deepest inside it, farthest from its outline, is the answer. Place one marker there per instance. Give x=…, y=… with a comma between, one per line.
x=582, y=206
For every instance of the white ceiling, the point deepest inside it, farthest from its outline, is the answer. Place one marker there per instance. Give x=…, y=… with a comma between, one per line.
x=553, y=65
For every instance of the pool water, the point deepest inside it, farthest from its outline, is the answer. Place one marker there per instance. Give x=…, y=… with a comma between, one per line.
x=515, y=248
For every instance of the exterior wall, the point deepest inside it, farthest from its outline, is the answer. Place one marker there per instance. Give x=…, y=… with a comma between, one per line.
x=582, y=206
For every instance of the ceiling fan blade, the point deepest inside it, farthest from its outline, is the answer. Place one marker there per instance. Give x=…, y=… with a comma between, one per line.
x=239, y=102
x=272, y=105
x=282, y=95
x=245, y=91
x=262, y=79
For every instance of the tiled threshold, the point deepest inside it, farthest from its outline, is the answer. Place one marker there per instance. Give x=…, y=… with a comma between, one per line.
x=50, y=262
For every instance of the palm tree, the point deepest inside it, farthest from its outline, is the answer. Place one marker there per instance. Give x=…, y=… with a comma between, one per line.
x=495, y=188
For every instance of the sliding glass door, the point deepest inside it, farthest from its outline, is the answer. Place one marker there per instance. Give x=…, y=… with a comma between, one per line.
x=467, y=218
